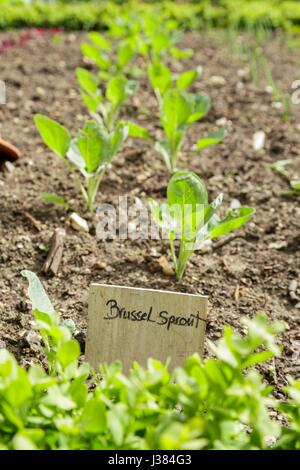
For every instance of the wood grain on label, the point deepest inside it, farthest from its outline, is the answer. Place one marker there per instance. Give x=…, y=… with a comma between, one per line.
x=133, y=324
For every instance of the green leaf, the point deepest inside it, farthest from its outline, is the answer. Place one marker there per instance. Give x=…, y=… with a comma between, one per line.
x=188, y=77
x=160, y=77
x=38, y=297
x=234, y=219
x=93, y=146
x=200, y=105
x=176, y=110
x=119, y=89
x=92, y=52
x=186, y=188
x=125, y=53
x=135, y=130
x=55, y=199
x=87, y=80
x=99, y=40
x=211, y=139
x=92, y=102
x=56, y=136
x=93, y=417
x=68, y=352
x=117, y=138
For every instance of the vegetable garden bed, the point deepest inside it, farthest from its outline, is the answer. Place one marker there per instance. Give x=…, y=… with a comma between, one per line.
x=255, y=269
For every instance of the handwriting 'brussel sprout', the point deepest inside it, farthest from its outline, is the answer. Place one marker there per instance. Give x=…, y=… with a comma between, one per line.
x=189, y=218
x=87, y=155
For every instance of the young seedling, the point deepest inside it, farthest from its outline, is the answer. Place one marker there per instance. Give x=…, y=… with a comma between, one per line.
x=87, y=155
x=159, y=37
x=162, y=80
x=115, y=64
x=179, y=110
x=104, y=109
x=189, y=218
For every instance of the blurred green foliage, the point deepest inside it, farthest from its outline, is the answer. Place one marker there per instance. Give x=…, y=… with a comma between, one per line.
x=92, y=14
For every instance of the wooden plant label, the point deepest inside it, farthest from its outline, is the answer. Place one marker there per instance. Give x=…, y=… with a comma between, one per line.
x=133, y=324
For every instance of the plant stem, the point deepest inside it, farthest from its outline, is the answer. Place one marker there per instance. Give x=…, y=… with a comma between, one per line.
x=173, y=254
x=182, y=260
x=77, y=180
x=93, y=186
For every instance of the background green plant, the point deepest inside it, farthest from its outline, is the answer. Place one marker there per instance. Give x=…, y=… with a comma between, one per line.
x=196, y=14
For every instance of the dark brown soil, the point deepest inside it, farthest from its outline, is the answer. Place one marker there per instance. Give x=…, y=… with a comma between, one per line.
x=250, y=273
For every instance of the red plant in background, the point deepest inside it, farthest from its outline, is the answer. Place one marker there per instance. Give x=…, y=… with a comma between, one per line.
x=29, y=35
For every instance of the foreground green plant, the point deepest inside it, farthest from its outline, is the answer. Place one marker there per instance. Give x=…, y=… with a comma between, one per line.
x=223, y=401
x=87, y=155
x=189, y=218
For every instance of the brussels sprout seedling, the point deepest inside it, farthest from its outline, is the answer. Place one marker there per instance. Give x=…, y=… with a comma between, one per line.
x=190, y=218
x=162, y=79
x=114, y=64
x=104, y=109
x=179, y=110
x=87, y=155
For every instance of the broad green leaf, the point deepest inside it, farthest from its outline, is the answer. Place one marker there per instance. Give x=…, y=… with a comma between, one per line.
x=200, y=105
x=68, y=352
x=186, y=188
x=160, y=76
x=56, y=136
x=258, y=358
x=93, y=417
x=188, y=77
x=211, y=139
x=92, y=102
x=119, y=89
x=93, y=52
x=117, y=419
x=99, y=40
x=234, y=219
x=87, y=80
x=39, y=379
x=125, y=53
x=93, y=146
x=176, y=109
x=135, y=130
x=58, y=398
x=117, y=138
x=55, y=199
x=38, y=297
